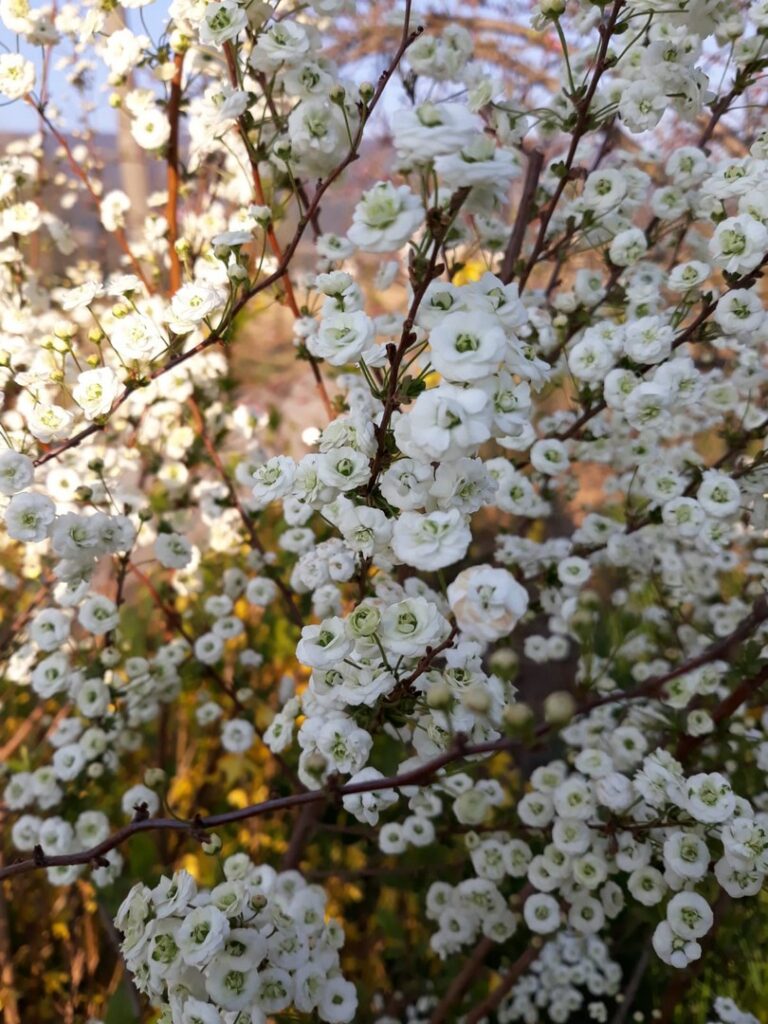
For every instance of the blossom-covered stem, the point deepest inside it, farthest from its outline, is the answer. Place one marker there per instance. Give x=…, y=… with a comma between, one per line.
x=727, y=707
x=172, y=158
x=301, y=191
x=77, y=170
x=200, y=825
x=508, y=979
x=397, y=353
x=175, y=624
x=582, y=106
x=217, y=336
x=718, y=649
x=247, y=521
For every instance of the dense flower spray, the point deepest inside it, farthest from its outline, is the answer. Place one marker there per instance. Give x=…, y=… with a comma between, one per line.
x=539, y=343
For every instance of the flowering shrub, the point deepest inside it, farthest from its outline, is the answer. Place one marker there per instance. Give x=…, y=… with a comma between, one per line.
x=539, y=343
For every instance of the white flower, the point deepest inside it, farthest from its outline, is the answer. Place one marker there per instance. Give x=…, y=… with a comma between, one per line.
x=237, y=736
x=590, y=359
x=343, y=468
x=740, y=311
x=446, y=422
x=285, y=41
x=173, y=551
x=319, y=133
x=17, y=76
x=345, y=746
x=98, y=614
x=29, y=517
x=718, y=494
x=261, y=591
x=273, y=480
x=426, y=131
x=49, y=423
x=95, y=391
x=202, y=935
x=338, y=1002
x=641, y=105
x=151, y=128
x=49, y=629
x=138, y=796
x=541, y=913
x=627, y=247
x=137, y=338
x=17, y=471
x=344, y=338
x=549, y=456
x=409, y=627
x=324, y=645
x=222, y=22
x=689, y=915
x=604, y=189
x=467, y=347
x=123, y=51
x=193, y=303
x=385, y=218
x=673, y=949
x=366, y=807
x=686, y=854
x=406, y=484
x=112, y=209
x=432, y=541
x=739, y=244
x=275, y=990
x=709, y=798
x=208, y=648
x=487, y=602
x=479, y=162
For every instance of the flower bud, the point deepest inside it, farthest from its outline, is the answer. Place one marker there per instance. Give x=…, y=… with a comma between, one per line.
x=110, y=656
x=517, y=717
x=559, y=708
x=504, y=662
x=476, y=699
x=364, y=620
x=552, y=8
x=438, y=696
x=212, y=844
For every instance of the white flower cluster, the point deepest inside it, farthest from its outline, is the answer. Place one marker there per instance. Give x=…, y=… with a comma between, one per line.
x=534, y=512
x=257, y=942
x=555, y=985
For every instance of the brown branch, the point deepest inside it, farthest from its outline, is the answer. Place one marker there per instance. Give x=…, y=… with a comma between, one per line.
x=172, y=206
x=524, y=215
x=634, y=984
x=463, y=980
x=518, y=968
x=727, y=707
